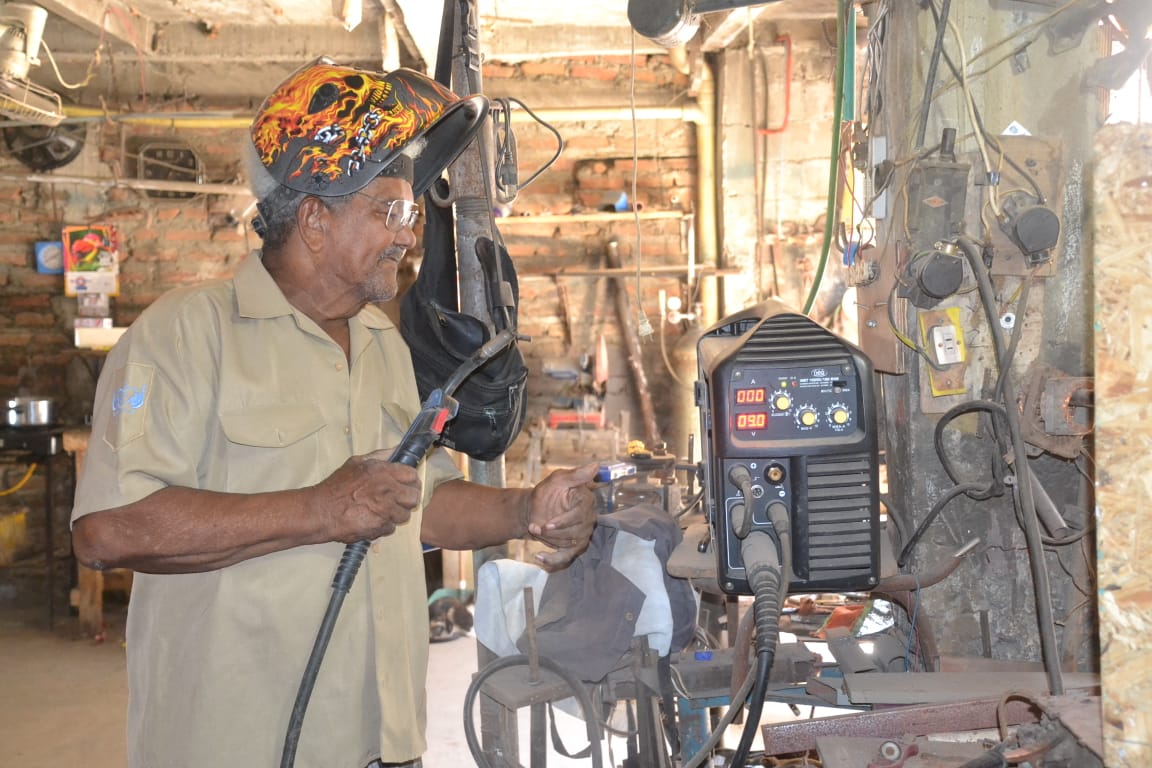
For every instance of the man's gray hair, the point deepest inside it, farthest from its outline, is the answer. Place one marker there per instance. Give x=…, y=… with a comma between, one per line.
x=277, y=203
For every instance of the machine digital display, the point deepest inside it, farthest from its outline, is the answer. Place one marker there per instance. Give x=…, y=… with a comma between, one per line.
x=754, y=420
x=752, y=396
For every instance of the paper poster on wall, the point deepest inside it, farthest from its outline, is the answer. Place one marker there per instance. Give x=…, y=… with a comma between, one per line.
x=91, y=260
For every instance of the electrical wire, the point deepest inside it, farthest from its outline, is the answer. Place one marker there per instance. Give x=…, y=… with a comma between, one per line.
x=88, y=75
x=874, y=62
x=993, y=408
x=903, y=338
x=506, y=142
x=644, y=327
x=952, y=493
x=930, y=77
x=735, y=707
x=970, y=105
x=1032, y=534
x=912, y=626
x=1017, y=332
x=21, y=482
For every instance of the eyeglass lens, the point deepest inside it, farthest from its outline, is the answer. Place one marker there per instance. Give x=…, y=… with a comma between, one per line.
x=401, y=214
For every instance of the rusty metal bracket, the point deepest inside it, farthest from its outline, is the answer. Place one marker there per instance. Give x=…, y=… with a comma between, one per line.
x=1056, y=410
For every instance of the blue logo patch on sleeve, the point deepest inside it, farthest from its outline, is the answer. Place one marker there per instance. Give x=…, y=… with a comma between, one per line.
x=128, y=398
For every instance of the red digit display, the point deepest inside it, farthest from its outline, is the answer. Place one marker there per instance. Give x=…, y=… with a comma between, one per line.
x=751, y=396
x=756, y=420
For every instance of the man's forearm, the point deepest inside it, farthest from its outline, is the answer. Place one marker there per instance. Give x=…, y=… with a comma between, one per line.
x=463, y=515
x=181, y=530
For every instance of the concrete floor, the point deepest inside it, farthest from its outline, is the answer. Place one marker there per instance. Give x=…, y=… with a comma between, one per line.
x=63, y=696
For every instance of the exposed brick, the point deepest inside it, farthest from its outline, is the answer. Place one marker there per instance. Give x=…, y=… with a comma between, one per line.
x=640, y=60
x=499, y=71
x=604, y=74
x=547, y=68
x=186, y=235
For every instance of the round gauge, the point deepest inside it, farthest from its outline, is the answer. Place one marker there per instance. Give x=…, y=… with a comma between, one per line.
x=50, y=257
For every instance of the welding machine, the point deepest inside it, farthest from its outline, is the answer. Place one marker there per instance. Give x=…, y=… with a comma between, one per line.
x=788, y=425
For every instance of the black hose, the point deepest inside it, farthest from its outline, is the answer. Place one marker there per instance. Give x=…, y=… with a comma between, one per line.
x=994, y=488
x=1031, y=522
x=578, y=690
x=761, y=559
x=930, y=78
x=937, y=508
x=342, y=582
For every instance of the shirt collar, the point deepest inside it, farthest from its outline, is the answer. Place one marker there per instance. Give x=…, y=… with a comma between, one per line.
x=258, y=296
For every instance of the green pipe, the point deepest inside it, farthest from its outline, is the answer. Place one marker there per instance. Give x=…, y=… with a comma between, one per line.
x=834, y=170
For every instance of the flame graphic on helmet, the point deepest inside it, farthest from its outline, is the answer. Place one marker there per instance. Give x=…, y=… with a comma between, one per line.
x=346, y=117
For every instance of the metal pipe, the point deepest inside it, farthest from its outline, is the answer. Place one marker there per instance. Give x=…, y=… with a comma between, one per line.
x=165, y=186
x=692, y=113
x=632, y=342
x=707, y=239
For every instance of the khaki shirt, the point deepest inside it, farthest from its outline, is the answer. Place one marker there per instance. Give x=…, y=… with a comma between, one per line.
x=226, y=387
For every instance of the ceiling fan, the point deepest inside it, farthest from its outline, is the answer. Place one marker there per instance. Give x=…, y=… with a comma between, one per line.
x=21, y=32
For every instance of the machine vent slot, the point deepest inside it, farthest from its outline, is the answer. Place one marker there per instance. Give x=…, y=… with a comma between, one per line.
x=840, y=518
x=794, y=340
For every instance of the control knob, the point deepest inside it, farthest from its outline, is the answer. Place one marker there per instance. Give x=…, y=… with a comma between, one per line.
x=839, y=415
x=806, y=417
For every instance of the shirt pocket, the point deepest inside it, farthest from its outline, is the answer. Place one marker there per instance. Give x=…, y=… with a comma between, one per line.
x=272, y=447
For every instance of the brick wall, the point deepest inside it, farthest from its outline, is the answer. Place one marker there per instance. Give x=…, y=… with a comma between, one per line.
x=169, y=243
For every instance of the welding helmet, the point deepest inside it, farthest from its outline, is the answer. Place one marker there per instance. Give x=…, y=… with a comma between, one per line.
x=330, y=130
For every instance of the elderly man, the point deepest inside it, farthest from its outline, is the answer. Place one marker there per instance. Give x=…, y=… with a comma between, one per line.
x=241, y=437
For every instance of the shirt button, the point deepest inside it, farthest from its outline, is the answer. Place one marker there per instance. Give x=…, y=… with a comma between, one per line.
x=347, y=430
x=339, y=366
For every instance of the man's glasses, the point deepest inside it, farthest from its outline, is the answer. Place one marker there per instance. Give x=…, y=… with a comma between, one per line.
x=402, y=214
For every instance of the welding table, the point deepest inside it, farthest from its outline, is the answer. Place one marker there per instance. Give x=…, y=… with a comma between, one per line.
x=42, y=446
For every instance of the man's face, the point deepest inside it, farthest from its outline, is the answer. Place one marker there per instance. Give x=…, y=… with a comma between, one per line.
x=363, y=249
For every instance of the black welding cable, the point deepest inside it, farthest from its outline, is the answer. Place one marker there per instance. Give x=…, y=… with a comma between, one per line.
x=930, y=77
x=897, y=518
x=996, y=486
x=735, y=707
x=953, y=492
x=1032, y=536
x=345, y=574
x=591, y=723
x=762, y=561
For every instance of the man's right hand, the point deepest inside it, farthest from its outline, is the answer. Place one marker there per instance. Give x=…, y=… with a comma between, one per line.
x=367, y=497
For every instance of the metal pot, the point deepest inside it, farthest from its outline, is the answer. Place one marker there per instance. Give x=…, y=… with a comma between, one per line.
x=31, y=412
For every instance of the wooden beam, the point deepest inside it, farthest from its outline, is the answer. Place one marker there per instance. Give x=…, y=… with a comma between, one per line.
x=110, y=19
x=720, y=32
x=514, y=44
x=415, y=43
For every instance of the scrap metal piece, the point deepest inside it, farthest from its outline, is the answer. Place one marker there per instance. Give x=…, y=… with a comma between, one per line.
x=801, y=735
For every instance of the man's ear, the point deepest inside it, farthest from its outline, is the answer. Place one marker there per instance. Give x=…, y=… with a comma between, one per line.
x=312, y=218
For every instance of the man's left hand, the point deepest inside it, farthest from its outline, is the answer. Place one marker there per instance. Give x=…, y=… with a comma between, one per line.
x=562, y=515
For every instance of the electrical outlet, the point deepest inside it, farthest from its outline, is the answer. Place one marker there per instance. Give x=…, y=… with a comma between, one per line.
x=943, y=340
x=946, y=344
